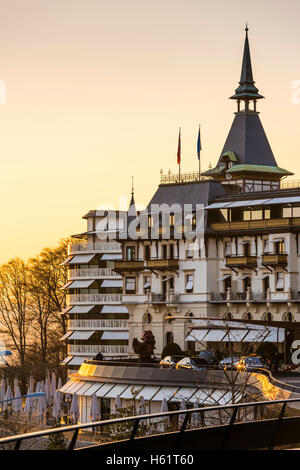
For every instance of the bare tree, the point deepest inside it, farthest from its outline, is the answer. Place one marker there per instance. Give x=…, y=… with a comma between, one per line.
x=15, y=319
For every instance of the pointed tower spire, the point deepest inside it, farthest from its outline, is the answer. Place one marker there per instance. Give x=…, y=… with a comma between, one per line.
x=132, y=209
x=246, y=90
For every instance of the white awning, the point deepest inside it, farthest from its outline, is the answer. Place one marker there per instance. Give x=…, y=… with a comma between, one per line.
x=196, y=335
x=274, y=336
x=81, y=259
x=215, y=335
x=285, y=200
x=67, y=260
x=81, y=309
x=81, y=335
x=240, y=278
x=111, y=256
x=76, y=361
x=114, y=309
x=67, y=385
x=148, y=392
x=104, y=389
x=80, y=284
x=117, y=335
x=127, y=394
x=184, y=393
x=226, y=276
x=66, y=310
x=84, y=389
x=218, y=205
x=235, y=335
x=112, y=283
x=66, y=285
x=91, y=391
x=116, y=390
x=66, y=360
x=165, y=392
x=68, y=333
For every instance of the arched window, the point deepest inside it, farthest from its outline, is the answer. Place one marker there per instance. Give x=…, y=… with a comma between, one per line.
x=267, y=316
x=288, y=316
x=247, y=316
x=147, y=319
x=227, y=316
x=166, y=319
x=169, y=337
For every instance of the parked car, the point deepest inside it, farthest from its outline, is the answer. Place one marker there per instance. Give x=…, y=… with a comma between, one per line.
x=229, y=362
x=169, y=361
x=191, y=363
x=251, y=362
x=209, y=356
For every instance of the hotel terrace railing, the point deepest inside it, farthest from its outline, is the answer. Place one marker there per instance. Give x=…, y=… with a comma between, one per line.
x=250, y=296
x=240, y=426
x=101, y=247
x=170, y=297
x=265, y=224
x=290, y=184
x=91, y=273
x=93, y=349
x=95, y=298
x=169, y=177
x=98, y=324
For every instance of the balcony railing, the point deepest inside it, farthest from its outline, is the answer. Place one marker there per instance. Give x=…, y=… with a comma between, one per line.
x=274, y=259
x=92, y=273
x=241, y=261
x=170, y=297
x=98, y=324
x=248, y=296
x=93, y=349
x=123, y=266
x=100, y=247
x=246, y=225
x=95, y=298
x=163, y=263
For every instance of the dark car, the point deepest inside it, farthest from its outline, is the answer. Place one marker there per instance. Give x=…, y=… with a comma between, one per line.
x=209, y=356
x=191, y=363
x=250, y=362
x=228, y=362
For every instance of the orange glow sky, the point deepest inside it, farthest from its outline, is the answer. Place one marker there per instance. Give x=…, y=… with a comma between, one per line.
x=97, y=89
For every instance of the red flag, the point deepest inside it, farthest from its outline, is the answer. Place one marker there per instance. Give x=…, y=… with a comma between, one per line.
x=179, y=149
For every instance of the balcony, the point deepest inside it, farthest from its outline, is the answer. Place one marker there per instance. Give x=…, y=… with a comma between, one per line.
x=98, y=325
x=256, y=225
x=93, y=273
x=129, y=266
x=95, y=299
x=97, y=247
x=241, y=261
x=274, y=259
x=93, y=349
x=169, y=298
x=164, y=264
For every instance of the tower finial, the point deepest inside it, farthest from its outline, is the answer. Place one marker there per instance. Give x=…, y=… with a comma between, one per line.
x=246, y=29
x=132, y=189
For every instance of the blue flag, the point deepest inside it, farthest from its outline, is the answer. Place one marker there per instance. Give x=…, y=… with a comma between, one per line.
x=199, y=145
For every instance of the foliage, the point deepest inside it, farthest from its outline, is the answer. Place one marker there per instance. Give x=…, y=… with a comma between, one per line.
x=56, y=441
x=267, y=350
x=144, y=349
x=172, y=349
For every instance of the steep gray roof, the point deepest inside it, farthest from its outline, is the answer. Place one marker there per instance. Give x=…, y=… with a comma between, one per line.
x=199, y=192
x=247, y=139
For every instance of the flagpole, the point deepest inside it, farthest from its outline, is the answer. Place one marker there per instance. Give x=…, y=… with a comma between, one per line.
x=199, y=158
x=179, y=149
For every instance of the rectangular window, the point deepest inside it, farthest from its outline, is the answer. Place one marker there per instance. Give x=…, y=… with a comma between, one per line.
x=279, y=248
x=280, y=281
x=130, y=253
x=227, y=250
x=247, y=215
x=190, y=250
x=147, y=250
x=286, y=212
x=130, y=285
x=267, y=214
x=224, y=213
x=147, y=284
x=296, y=211
x=171, y=220
x=164, y=251
x=267, y=246
x=257, y=214
x=189, y=287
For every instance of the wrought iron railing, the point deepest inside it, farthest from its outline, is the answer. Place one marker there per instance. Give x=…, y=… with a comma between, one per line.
x=238, y=415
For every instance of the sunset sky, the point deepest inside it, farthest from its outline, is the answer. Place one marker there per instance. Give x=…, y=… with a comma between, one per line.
x=97, y=89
